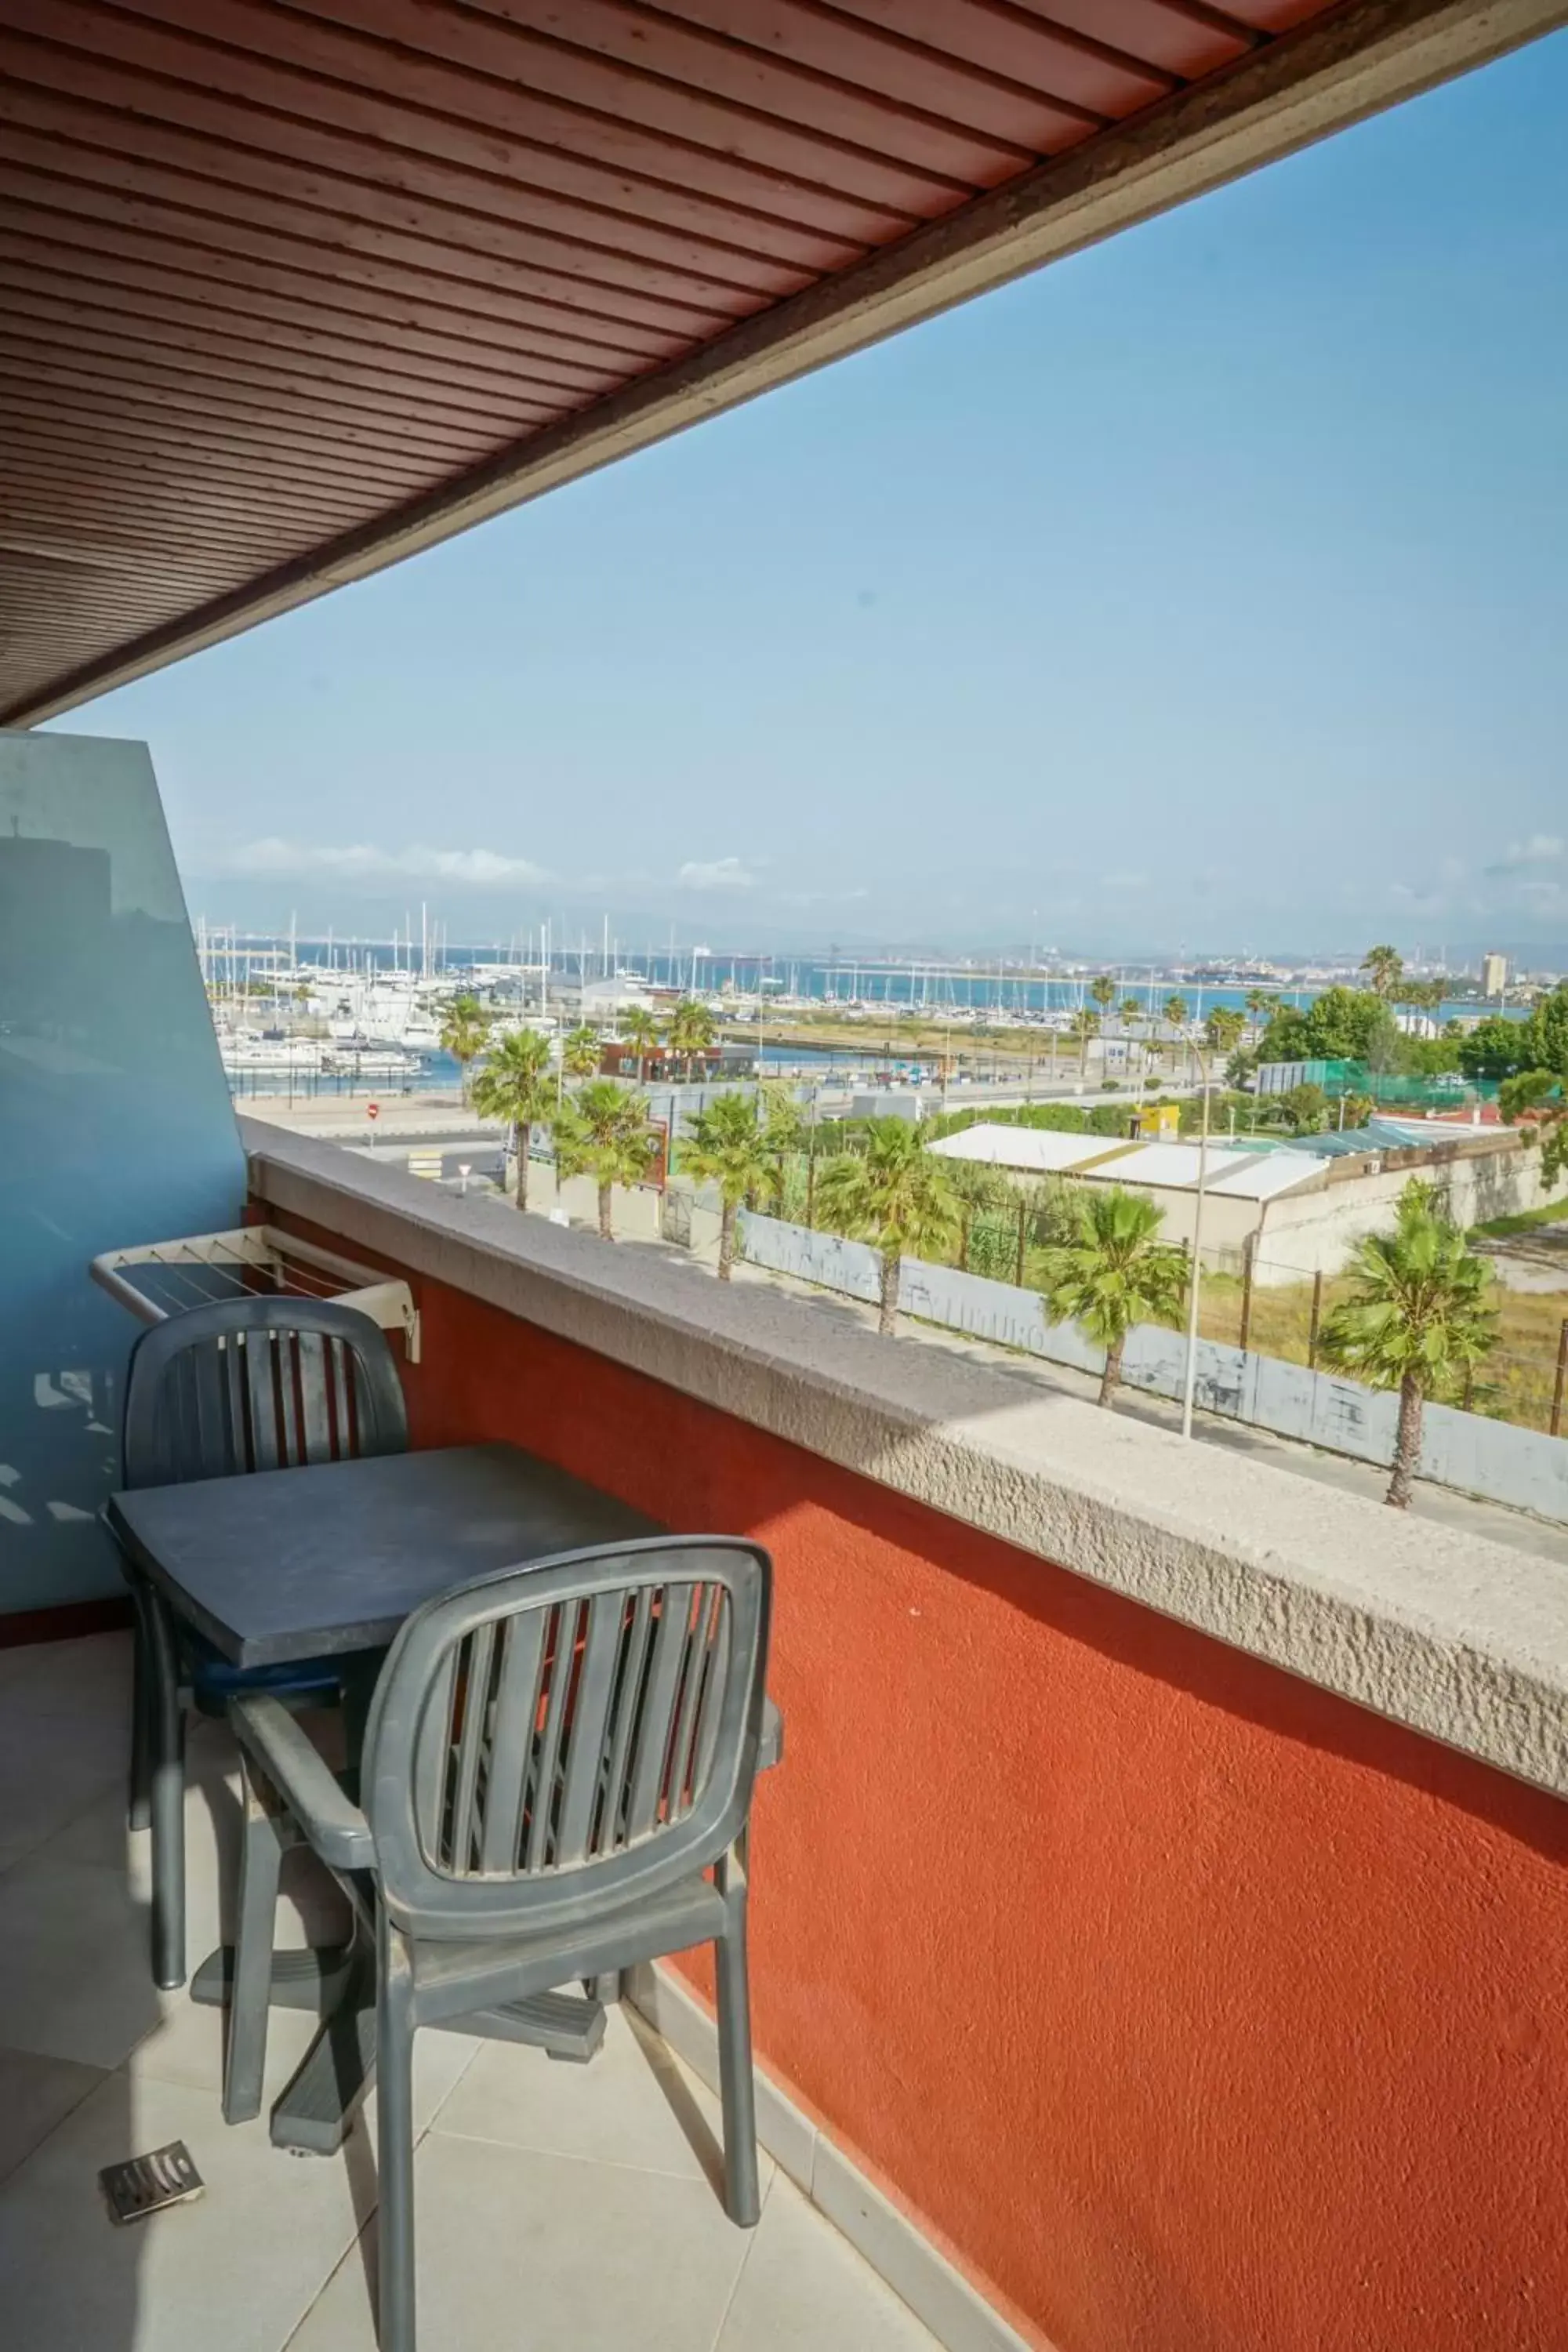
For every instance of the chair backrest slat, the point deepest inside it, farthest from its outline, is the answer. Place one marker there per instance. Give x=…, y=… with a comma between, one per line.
x=581, y=1730
x=433, y=1752
x=512, y=1727
x=474, y=1677
x=652, y=1734
x=314, y=1352
x=583, y=1788
x=695, y=1671
x=634, y=1666
x=561, y=1645
x=258, y=1383
x=263, y=1413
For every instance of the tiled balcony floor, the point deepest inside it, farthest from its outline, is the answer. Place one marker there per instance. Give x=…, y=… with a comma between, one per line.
x=558, y=2205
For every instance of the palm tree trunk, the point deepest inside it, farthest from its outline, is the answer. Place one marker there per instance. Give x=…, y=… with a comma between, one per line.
x=1407, y=1444
x=520, y=1138
x=888, y=1306
x=1110, y=1379
x=606, y=1230
x=727, y=1239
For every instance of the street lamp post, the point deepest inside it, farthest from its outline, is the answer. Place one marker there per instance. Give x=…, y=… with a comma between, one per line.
x=1190, y=1375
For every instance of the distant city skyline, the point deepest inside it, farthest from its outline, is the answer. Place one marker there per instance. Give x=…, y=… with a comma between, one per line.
x=1205, y=591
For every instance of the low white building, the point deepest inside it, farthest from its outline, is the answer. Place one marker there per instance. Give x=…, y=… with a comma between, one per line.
x=1299, y=1211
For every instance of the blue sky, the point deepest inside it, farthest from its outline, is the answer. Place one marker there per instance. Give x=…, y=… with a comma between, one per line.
x=1208, y=590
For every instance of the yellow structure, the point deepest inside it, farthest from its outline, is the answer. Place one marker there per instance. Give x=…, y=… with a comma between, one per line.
x=1158, y=1122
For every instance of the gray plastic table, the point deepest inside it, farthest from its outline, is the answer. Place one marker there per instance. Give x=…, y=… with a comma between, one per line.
x=324, y=1561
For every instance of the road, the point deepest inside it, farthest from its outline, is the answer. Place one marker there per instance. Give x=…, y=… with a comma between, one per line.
x=1494, y=1520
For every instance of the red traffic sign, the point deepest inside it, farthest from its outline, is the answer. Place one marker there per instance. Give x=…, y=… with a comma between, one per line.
x=372, y=1110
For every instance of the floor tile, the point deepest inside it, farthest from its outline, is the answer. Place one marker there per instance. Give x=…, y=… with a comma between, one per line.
x=74, y=1976
x=52, y=1768
x=804, y=2287
x=187, y=2046
x=37, y=2094
x=237, y=2269
x=69, y=1675
x=633, y=2104
x=520, y=2253
x=310, y=1909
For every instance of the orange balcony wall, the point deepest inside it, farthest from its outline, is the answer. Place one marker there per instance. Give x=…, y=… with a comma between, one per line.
x=1185, y=2005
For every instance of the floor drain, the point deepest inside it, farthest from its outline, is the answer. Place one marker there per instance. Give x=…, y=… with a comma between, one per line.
x=146, y=2184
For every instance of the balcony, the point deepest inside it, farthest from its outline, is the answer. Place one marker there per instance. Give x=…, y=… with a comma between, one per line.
x=1159, y=1918
x=582, y=2196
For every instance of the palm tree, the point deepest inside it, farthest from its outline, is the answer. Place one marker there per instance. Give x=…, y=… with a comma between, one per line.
x=691, y=1031
x=1103, y=992
x=1225, y=1029
x=463, y=1036
x=1114, y=1272
x=895, y=1196
x=581, y=1052
x=1128, y=1011
x=515, y=1084
x=783, y=1134
x=604, y=1132
x=1419, y=1315
x=1261, y=1004
x=639, y=1029
x=1383, y=966
x=1083, y=1025
x=728, y=1146
x=1177, y=1011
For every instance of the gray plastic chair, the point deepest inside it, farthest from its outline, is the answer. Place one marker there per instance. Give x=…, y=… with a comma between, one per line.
x=245, y=1384
x=555, y=1758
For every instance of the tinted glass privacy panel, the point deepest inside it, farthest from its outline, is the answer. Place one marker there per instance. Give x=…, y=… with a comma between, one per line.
x=115, y=1128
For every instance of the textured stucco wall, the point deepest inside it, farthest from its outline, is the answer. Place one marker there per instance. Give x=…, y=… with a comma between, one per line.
x=1193, y=2009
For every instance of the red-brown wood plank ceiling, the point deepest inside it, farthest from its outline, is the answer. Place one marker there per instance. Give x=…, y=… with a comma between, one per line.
x=270, y=269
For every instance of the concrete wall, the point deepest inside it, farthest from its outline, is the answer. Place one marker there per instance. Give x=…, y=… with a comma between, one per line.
x=1309, y=1233
x=1462, y=1450
x=634, y=1208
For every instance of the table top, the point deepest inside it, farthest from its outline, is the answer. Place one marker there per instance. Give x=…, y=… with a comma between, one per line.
x=288, y=1564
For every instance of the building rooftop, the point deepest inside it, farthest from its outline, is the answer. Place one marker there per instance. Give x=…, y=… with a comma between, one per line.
x=1037, y=1149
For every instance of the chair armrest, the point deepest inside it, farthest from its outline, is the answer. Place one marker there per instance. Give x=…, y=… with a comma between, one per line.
x=334, y=1827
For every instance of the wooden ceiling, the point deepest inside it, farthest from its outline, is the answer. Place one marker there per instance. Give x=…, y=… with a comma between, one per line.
x=288, y=287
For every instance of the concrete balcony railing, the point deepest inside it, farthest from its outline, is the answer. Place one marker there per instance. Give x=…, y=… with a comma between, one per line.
x=1161, y=1914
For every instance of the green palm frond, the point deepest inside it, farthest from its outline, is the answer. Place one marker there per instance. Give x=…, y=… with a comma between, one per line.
x=1115, y=1272
x=893, y=1194
x=1420, y=1309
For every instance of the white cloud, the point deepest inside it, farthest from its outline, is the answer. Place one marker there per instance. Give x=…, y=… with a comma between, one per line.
x=1540, y=849
x=362, y=861
x=1124, y=881
x=715, y=873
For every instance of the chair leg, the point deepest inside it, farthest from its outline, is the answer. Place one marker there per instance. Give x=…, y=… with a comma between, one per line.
x=260, y=1866
x=742, y=2200
x=139, y=1808
x=167, y=1753
x=394, y=2139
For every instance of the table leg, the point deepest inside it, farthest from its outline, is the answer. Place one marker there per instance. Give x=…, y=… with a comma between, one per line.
x=165, y=1737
